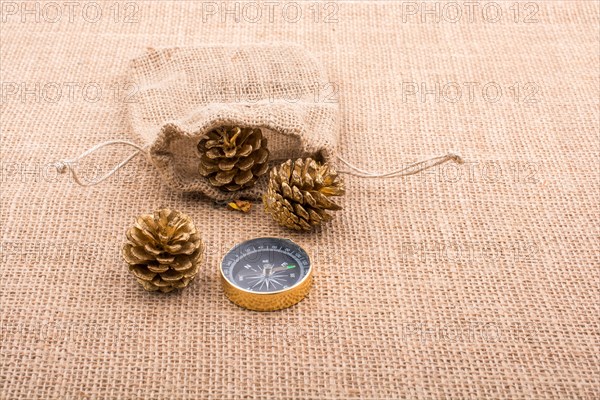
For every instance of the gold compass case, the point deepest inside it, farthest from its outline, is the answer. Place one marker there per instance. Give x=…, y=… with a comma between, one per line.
x=266, y=274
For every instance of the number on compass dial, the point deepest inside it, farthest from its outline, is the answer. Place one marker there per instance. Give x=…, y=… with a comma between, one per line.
x=267, y=267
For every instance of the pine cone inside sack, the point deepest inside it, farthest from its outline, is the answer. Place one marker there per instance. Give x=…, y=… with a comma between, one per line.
x=233, y=158
x=163, y=250
x=299, y=193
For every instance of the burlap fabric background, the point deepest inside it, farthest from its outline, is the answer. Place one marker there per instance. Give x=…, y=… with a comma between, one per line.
x=462, y=282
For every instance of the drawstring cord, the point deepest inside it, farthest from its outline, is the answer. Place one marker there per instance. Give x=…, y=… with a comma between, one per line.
x=68, y=165
x=411, y=169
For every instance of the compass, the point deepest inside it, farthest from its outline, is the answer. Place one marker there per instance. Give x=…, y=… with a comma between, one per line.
x=266, y=274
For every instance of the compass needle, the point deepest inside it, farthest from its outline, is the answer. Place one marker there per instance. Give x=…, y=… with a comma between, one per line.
x=275, y=281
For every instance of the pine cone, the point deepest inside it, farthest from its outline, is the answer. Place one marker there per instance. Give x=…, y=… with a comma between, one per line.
x=233, y=158
x=163, y=250
x=299, y=193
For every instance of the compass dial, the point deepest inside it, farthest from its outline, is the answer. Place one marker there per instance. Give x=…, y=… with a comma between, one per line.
x=266, y=266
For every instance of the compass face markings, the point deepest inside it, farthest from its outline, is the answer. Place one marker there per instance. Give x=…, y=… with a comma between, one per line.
x=266, y=267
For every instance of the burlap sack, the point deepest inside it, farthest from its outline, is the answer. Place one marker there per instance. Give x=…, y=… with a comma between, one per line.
x=183, y=93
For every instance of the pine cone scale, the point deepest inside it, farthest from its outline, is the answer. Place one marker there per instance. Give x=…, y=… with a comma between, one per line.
x=243, y=177
x=140, y=272
x=226, y=165
x=261, y=156
x=245, y=151
x=260, y=170
x=314, y=216
x=139, y=255
x=171, y=276
x=245, y=164
x=158, y=268
x=301, y=212
x=182, y=264
x=225, y=177
x=150, y=249
x=165, y=259
x=137, y=234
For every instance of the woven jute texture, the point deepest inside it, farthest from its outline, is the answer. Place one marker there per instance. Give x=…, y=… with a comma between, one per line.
x=465, y=281
x=184, y=93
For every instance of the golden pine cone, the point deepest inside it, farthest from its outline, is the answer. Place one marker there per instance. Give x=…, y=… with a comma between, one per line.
x=233, y=158
x=163, y=250
x=299, y=192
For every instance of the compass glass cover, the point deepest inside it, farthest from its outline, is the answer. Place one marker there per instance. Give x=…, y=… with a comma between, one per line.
x=266, y=265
